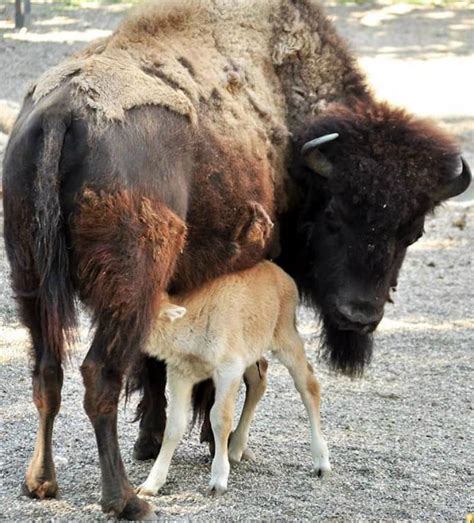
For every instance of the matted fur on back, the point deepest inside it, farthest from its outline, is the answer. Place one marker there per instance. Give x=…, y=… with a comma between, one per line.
x=254, y=65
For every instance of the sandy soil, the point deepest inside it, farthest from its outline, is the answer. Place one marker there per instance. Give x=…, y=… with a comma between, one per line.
x=401, y=438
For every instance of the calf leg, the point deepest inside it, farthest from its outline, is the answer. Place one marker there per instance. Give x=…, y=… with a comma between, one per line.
x=294, y=359
x=180, y=390
x=255, y=378
x=222, y=414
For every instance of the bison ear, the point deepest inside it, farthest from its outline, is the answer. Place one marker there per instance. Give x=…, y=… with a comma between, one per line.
x=314, y=159
x=456, y=185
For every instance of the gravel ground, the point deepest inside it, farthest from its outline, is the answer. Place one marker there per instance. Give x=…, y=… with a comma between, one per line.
x=400, y=439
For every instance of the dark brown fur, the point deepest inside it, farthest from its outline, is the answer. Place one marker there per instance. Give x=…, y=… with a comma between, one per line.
x=208, y=252
x=115, y=201
x=382, y=157
x=388, y=170
x=125, y=244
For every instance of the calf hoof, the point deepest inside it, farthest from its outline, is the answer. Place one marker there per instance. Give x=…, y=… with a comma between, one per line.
x=236, y=456
x=146, y=490
x=135, y=509
x=40, y=489
x=248, y=455
x=216, y=491
x=322, y=470
x=146, y=448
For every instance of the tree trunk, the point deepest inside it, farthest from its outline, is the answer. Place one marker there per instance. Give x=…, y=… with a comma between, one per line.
x=22, y=13
x=19, y=18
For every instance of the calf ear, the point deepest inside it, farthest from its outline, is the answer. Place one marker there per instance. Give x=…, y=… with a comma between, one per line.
x=172, y=312
x=314, y=158
x=456, y=185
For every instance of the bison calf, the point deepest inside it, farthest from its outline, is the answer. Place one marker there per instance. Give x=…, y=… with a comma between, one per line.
x=223, y=328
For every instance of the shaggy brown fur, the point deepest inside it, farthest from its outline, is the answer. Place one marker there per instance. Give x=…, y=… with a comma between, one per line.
x=208, y=251
x=220, y=64
x=380, y=160
x=181, y=118
x=124, y=243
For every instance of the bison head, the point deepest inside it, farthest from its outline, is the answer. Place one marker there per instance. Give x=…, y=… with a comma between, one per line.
x=368, y=176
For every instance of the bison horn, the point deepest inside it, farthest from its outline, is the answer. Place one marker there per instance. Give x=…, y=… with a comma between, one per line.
x=314, y=159
x=309, y=146
x=458, y=184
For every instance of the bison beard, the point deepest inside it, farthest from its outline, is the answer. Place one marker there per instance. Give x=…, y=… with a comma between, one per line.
x=346, y=351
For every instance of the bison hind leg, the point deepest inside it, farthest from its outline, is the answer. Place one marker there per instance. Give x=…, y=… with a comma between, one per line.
x=125, y=246
x=48, y=320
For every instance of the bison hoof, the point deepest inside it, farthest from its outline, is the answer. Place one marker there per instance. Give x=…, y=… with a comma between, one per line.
x=40, y=489
x=135, y=509
x=146, y=448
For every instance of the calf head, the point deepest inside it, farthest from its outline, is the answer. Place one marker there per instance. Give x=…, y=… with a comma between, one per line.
x=370, y=174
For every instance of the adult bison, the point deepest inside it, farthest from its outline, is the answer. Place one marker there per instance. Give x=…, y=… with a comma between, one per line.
x=130, y=166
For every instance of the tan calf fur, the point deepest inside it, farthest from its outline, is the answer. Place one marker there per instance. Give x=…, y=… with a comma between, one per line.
x=220, y=331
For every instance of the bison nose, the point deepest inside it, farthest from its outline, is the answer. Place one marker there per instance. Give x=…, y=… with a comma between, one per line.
x=359, y=316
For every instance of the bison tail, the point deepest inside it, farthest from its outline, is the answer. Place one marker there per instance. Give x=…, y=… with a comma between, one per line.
x=55, y=292
x=35, y=236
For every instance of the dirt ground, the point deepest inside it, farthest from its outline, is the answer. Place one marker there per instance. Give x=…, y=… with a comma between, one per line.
x=401, y=438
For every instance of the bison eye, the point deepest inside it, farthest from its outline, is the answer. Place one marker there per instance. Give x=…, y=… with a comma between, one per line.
x=332, y=223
